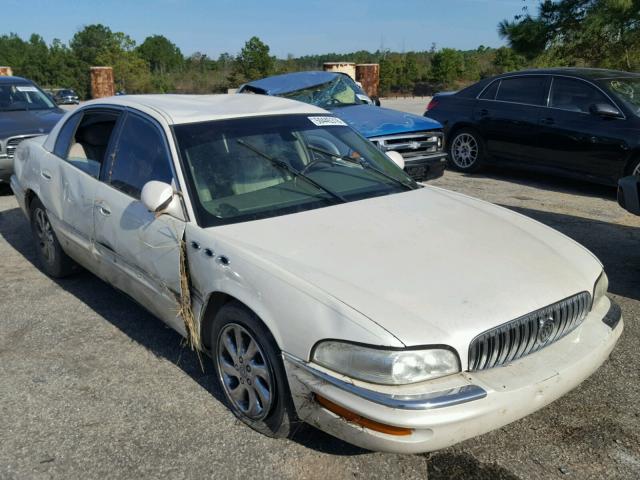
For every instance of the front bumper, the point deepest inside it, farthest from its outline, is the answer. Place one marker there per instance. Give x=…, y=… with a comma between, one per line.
x=426, y=168
x=6, y=168
x=454, y=408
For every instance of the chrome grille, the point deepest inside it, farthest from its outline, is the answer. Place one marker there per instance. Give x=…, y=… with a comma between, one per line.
x=527, y=334
x=412, y=145
x=13, y=143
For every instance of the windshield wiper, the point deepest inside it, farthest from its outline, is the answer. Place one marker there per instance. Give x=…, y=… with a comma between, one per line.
x=296, y=173
x=364, y=163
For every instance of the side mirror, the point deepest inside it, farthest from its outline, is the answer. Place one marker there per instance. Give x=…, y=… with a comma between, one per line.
x=629, y=194
x=396, y=157
x=159, y=197
x=364, y=98
x=604, y=110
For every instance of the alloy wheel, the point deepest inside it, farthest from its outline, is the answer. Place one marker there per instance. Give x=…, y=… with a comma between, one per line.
x=44, y=232
x=636, y=170
x=464, y=150
x=244, y=371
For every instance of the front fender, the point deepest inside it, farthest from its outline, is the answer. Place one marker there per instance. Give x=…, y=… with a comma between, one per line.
x=297, y=314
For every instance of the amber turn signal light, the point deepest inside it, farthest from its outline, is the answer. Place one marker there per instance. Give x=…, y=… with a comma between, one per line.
x=352, y=417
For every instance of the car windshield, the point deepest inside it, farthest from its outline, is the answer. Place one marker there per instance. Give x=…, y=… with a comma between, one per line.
x=66, y=93
x=627, y=90
x=259, y=167
x=23, y=97
x=339, y=92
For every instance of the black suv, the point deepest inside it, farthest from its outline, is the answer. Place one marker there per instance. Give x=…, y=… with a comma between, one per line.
x=575, y=122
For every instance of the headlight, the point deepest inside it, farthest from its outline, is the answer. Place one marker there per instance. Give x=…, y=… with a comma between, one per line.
x=600, y=288
x=387, y=367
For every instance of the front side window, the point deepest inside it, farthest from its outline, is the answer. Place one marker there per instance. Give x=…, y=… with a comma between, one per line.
x=251, y=168
x=574, y=95
x=527, y=90
x=339, y=92
x=627, y=90
x=90, y=140
x=141, y=156
x=16, y=97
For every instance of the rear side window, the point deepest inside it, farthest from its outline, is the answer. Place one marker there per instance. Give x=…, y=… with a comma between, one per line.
x=89, y=142
x=490, y=91
x=65, y=135
x=527, y=90
x=141, y=156
x=574, y=95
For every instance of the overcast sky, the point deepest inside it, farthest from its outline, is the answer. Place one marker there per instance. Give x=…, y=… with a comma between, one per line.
x=298, y=27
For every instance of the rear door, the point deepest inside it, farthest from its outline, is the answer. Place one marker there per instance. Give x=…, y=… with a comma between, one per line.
x=576, y=141
x=70, y=182
x=140, y=250
x=507, y=113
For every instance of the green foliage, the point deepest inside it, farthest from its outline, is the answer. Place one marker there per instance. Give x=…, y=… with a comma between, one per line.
x=597, y=33
x=162, y=56
x=447, y=65
x=254, y=61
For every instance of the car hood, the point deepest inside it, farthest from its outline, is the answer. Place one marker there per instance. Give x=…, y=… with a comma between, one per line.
x=430, y=266
x=372, y=121
x=26, y=122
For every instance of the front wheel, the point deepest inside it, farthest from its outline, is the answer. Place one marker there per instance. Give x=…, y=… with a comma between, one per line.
x=249, y=368
x=466, y=151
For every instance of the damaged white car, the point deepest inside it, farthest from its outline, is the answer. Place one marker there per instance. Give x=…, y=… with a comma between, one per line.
x=326, y=285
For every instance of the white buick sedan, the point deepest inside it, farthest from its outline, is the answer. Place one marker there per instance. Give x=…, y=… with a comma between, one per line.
x=325, y=284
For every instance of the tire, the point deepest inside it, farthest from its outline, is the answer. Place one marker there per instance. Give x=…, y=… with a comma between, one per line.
x=466, y=151
x=244, y=378
x=52, y=259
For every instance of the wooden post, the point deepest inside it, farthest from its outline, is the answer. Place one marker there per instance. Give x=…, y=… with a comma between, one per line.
x=368, y=74
x=102, y=84
x=6, y=72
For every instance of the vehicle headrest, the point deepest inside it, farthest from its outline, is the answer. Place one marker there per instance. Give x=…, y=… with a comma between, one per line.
x=96, y=134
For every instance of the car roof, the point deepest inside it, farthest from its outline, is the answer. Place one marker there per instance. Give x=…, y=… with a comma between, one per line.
x=289, y=82
x=586, y=73
x=4, y=80
x=178, y=109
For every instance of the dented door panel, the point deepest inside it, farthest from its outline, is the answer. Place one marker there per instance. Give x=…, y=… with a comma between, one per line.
x=140, y=253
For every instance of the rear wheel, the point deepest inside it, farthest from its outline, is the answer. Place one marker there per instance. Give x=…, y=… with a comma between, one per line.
x=634, y=168
x=51, y=257
x=250, y=371
x=466, y=151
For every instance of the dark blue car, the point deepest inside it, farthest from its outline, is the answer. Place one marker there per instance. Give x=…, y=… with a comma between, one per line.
x=418, y=139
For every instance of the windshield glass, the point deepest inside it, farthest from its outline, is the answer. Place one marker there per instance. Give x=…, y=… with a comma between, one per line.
x=67, y=93
x=339, y=92
x=23, y=97
x=259, y=167
x=627, y=90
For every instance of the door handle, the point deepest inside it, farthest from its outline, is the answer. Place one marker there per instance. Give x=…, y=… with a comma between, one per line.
x=103, y=209
x=45, y=174
x=484, y=112
x=547, y=121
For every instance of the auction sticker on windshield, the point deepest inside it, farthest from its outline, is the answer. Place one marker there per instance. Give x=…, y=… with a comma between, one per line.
x=327, y=121
x=27, y=88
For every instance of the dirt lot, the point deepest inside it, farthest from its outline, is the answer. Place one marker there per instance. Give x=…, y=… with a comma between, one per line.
x=92, y=386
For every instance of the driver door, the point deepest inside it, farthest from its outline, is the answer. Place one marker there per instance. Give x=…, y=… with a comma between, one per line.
x=139, y=251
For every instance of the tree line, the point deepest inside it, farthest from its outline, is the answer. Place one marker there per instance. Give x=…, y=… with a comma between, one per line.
x=598, y=33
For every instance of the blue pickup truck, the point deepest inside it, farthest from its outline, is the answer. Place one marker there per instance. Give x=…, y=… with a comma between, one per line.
x=418, y=139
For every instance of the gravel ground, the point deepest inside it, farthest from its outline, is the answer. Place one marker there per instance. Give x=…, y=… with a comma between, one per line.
x=93, y=387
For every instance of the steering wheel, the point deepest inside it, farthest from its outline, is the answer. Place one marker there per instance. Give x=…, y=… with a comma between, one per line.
x=314, y=164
